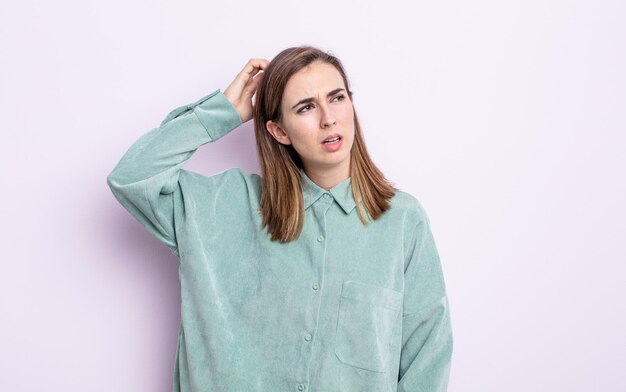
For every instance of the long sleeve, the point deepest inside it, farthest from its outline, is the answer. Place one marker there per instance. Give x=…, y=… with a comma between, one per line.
x=426, y=330
x=145, y=180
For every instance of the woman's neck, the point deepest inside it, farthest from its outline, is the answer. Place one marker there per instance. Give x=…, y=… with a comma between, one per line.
x=328, y=178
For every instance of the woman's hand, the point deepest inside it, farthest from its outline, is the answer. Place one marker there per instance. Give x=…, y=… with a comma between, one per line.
x=241, y=90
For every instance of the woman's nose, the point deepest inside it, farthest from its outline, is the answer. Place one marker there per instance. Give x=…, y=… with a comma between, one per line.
x=328, y=118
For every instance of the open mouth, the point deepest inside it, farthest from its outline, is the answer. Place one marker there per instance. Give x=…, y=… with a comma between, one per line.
x=332, y=140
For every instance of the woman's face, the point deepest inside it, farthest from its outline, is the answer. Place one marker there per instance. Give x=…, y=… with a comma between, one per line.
x=316, y=106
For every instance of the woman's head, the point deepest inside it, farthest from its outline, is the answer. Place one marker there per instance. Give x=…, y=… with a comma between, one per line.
x=303, y=99
x=314, y=108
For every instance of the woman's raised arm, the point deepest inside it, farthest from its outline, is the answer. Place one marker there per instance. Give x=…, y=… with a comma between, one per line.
x=145, y=181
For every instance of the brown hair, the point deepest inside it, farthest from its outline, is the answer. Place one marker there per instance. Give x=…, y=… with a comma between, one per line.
x=282, y=201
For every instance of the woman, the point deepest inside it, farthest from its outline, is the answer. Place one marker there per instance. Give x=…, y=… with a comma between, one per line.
x=289, y=284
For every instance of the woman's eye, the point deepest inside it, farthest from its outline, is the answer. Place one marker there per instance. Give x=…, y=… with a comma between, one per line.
x=304, y=107
x=340, y=97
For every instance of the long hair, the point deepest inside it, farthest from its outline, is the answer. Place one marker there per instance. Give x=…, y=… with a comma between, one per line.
x=282, y=200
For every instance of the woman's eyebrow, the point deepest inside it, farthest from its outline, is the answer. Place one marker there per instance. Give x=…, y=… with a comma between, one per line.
x=311, y=99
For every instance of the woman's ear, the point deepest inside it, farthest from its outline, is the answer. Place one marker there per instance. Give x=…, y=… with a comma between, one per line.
x=277, y=132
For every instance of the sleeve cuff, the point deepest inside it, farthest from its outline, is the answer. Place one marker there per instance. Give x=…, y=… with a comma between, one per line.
x=217, y=114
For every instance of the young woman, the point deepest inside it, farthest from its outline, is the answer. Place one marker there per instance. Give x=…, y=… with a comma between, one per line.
x=317, y=275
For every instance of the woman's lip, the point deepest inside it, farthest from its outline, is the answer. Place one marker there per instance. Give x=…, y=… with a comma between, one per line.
x=334, y=146
x=332, y=137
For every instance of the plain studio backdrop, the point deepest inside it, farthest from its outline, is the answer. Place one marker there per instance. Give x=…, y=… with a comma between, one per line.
x=506, y=119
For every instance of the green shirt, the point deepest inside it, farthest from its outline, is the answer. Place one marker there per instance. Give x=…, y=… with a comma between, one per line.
x=346, y=307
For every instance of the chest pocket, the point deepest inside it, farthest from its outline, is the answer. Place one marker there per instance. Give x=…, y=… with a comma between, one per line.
x=365, y=325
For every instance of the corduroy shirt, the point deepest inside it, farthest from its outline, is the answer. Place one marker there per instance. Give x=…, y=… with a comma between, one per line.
x=346, y=307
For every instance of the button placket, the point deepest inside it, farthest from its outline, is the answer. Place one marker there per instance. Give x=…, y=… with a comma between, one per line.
x=319, y=209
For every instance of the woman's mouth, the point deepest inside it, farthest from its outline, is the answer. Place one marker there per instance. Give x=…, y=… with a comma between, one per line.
x=332, y=143
x=331, y=140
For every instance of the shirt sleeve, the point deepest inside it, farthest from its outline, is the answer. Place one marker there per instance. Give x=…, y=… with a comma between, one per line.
x=426, y=330
x=146, y=178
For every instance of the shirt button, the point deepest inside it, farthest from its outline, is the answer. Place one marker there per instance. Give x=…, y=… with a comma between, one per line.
x=316, y=286
x=320, y=238
x=301, y=387
x=326, y=195
x=308, y=337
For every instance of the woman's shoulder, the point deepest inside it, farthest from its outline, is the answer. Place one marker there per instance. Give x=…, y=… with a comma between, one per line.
x=408, y=204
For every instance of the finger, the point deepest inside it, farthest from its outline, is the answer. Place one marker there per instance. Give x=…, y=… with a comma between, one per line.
x=252, y=86
x=253, y=67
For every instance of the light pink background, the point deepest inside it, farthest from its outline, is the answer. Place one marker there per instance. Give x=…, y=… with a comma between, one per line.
x=505, y=118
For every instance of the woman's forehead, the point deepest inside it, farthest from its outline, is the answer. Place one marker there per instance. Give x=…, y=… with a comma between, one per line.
x=314, y=81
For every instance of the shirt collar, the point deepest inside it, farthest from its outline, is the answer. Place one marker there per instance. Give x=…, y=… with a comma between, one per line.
x=341, y=192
